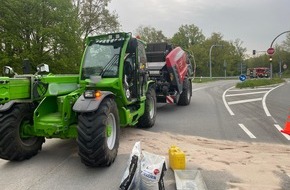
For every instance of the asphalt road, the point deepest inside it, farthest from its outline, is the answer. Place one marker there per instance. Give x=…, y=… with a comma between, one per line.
x=208, y=115
x=58, y=166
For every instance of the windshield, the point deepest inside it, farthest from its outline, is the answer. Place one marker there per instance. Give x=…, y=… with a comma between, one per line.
x=101, y=59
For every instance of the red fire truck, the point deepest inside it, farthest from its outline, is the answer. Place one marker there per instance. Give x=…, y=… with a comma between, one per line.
x=258, y=72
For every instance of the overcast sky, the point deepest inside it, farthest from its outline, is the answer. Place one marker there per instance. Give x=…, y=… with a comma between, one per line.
x=255, y=22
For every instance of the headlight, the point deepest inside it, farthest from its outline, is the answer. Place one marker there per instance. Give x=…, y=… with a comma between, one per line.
x=89, y=94
x=92, y=94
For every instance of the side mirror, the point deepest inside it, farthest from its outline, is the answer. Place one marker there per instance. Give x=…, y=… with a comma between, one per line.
x=42, y=68
x=8, y=71
x=132, y=45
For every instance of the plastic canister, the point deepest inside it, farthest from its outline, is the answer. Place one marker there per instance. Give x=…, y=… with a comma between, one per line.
x=176, y=158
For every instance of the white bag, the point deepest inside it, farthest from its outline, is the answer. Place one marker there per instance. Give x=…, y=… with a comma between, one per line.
x=153, y=168
x=131, y=177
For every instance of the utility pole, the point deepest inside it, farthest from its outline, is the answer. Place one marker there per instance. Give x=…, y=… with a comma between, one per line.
x=215, y=45
x=225, y=68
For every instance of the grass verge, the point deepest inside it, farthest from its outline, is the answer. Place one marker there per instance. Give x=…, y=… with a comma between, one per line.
x=251, y=83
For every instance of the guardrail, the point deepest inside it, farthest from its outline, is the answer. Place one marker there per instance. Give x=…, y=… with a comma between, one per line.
x=229, y=77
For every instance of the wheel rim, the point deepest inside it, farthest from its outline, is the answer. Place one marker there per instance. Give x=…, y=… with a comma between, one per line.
x=151, y=107
x=27, y=141
x=111, y=131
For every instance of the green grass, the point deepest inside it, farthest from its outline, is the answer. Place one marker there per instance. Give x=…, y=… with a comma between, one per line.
x=251, y=83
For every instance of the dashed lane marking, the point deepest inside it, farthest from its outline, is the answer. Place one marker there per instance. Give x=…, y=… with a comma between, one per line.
x=247, y=131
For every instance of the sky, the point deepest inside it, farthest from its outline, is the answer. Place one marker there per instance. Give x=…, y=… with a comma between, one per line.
x=255, y=22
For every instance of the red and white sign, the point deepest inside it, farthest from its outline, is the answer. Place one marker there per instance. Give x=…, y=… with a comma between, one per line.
x=271, y=51
x=169, y=100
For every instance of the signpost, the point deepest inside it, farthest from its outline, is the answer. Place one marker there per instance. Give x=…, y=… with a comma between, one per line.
x=270, y=52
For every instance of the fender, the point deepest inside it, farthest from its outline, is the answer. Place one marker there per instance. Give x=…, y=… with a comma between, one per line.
x=150, y=83
x=8, y=105
x=90, y=104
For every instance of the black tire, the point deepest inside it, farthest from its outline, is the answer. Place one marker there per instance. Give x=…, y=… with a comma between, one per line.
x=185, y=96
x=12, y=146
x=98, y=134
x=147, y=120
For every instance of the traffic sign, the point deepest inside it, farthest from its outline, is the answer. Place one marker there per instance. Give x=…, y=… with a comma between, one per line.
x=242, y=78
x=284, y=66
x=271, y=51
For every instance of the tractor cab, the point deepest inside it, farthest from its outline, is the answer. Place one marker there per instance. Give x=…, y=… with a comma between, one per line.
x=114, y=59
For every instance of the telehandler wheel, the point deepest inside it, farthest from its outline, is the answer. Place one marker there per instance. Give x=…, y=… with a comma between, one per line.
x=185, y=96
x=98, y=134
x=12, y=146
x=147, y=120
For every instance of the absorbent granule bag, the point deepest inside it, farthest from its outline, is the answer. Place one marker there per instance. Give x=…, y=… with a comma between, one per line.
x=153, y=169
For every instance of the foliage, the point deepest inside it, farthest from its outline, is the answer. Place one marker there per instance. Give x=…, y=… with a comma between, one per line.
x=251, y=83
x=150, y=34
x=224, y=55
x=50, y=31
x=286, y=43
x=44, y=31
x=95, y=18
x=187, y=35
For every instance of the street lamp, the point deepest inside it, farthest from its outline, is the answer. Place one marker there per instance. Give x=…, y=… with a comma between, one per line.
x=270, y=51
x=215, y=45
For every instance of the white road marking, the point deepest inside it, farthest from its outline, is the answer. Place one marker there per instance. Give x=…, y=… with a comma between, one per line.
x=244, y=101
x=264, y=101
x=249, y=93
x=247, y=131
x=279, y=129
x=225, y=103
x=249, y=89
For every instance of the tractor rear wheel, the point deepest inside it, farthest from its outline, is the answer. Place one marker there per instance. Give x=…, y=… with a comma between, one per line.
x=12, y=146
x=98, y=134
x=147, y=120
x=185, y=96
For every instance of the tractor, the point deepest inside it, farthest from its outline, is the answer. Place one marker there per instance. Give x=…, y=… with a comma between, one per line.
x=112, y=90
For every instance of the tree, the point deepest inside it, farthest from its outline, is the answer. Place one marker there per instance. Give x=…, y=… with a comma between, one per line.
x=230, y=53
x=286, y=43
x=95, y=18
x=188, y=35
x=150, y=34
x=44, y=31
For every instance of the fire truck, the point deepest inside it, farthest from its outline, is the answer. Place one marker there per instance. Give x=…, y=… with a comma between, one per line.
x=258, y=72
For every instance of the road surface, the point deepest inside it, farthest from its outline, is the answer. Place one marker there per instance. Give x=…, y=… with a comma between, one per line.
x=217, y=111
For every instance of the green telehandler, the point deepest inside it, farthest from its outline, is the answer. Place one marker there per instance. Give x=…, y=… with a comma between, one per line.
x=112, y=90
